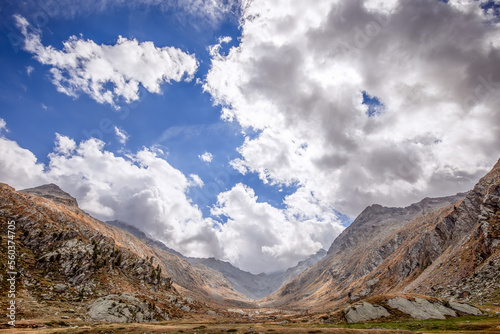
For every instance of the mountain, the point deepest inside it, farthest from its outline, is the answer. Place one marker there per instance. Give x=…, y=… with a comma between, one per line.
x=293, y=272
x=442, y=247
x=67, y=259
x=142, y=236
x=251, y=285
x=261, y=285
x=54, y=193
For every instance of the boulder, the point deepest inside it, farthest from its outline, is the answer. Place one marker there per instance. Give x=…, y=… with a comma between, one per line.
x=421, y=309
x=464, y=308
x=120, y=308
x=364, y=312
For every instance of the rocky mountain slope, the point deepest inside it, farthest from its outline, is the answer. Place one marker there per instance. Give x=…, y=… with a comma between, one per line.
x=440, y=247
x=68, y=260
x=142, y=236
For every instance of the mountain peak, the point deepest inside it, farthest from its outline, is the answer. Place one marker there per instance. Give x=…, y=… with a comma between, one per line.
x=53, y=192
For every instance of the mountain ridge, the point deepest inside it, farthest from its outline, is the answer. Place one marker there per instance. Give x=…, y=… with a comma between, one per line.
x=385, y=250
x=257, y=286
x=53, y=192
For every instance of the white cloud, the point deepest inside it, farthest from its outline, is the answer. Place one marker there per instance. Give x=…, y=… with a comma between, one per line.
x=146, y=191
x=121, y=135
x=83, y=66
x=195, y=181
x=258, y=235
x=141, y=189
x=212, y=11
x=207, y=157
x=29, y=70
x=296, y=79
x=3, y=125
x=64, y=145
x=201, y=13
x=19, y=167
x=214, y=50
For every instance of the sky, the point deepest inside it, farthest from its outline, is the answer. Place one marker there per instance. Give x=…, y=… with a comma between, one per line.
x=250, y=131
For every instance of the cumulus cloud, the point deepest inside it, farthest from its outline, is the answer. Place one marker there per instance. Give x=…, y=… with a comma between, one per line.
x=121, y=135
x=298, y=76
x=143, y=189
x=109, y=73
x=207, y=157
x=19, y=167
x=195, y=180
x=275, y=238
x=64, y=145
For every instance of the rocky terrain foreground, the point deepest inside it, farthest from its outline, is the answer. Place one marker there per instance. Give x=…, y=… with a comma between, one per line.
x=432, y=266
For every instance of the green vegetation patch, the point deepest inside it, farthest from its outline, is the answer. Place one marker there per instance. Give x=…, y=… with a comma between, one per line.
x=432, y=325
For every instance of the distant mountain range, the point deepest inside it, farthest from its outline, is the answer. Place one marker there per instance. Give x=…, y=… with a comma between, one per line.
x=261, y=285
x=437, y=248
x=251, y=285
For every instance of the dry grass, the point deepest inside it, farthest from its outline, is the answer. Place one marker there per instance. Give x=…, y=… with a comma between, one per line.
x=481, y=324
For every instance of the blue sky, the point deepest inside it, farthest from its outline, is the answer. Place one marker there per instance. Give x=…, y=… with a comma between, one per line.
x=181, y=120
x=249, y=131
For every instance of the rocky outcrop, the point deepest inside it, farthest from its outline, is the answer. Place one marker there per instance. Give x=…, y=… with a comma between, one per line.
x=364, y=312
x=406, y=307
x=421, y=309
x=122, y=308
x=467, y=242
x=464, y=308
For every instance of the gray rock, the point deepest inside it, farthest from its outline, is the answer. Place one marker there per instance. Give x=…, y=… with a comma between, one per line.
x=120, y=308
x=464, y=308
x=364, y=312
x=421, y=309
x=60, y=287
